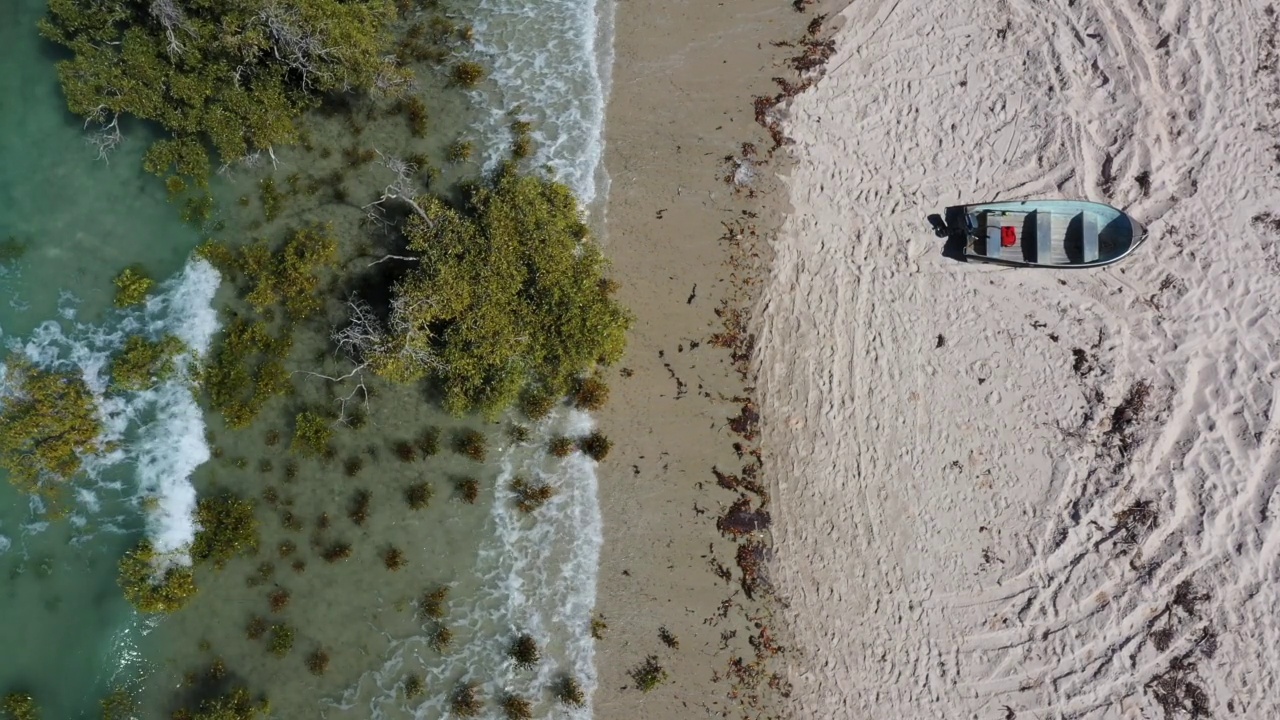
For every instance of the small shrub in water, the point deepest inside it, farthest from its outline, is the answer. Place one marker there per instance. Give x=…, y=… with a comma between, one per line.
x=279, y=599
x=287, y=548
x=472, y=444
x=441, y=639
x=433, y=603
x=468, y=489
x=257, y=627
x=228, y=527
x=417, y=112
x=394, y=559
x=525, y=652
x=359, y=513
x=537, y=405
x=337, y=551
x=265, y=465
x=517, y=708
x=560, y=446
x=413, y=686
x=353, y=466
x=459, y=151
x=291, y=470
x=299, y=566
x=311, y=434
x=531, y=496
x=596, y=446
x=418, y=495
x=569, y=691
x=591, y=394
x=318, y=661
x=467, y=74
x=466, y=701
x=19, y=706
x=429, y=442
x=519, y=433
x=281, y=641
x=132, y=287
x=405, y=451
x=648, y=674
x=273, y=438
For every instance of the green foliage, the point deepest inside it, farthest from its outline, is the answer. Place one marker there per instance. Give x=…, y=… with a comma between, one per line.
x=152, y=591
x=234, y=705
x=281, y=640
x=467, y=74
x=132, y=287
x=230, y=75
x=311, y=434
x=245, y=371
x=648, y=674
x=143, y=363
x=272, y=199
x=459, y=151
x=19, y=706
x=291, y=274
x=48, y=421
x=508, y=297
x=418, y=495
x=11, y=250
x=228, y=527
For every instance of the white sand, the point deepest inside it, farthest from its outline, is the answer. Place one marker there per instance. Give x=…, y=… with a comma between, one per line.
x=946, y=531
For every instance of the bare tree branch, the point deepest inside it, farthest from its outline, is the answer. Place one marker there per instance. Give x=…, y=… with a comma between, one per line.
x=400, y=189
x=172, y=20
x=107, y=136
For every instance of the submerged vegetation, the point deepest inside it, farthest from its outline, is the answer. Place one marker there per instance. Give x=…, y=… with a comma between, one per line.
x=236, y=704
x=132, y=287
x=19, y=706
x=246, y=370
x=524, y=651
x=569, y=691
x=228, y=528
x=466, y=701
x=151, y=589
x=311, y=434
x=49, y=422
x=143, y=363
x=529, y=495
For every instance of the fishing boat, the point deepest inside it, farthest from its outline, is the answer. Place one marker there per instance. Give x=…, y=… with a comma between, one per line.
x=1045, y=233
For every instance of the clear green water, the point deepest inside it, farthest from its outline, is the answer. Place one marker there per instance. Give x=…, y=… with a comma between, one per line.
x=68, y=634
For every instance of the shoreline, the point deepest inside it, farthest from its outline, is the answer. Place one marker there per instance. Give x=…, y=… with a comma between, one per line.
x=688, y=247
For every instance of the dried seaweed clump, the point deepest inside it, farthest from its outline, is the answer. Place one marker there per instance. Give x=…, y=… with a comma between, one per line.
x=531, y=496
x=741, y=520
x=598, y=626
x=279, y=599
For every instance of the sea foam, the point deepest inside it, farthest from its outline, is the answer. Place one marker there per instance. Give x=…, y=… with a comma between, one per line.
x=546, y=59
x=160, y=429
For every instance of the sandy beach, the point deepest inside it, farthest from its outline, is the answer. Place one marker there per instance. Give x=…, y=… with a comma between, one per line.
x=1010, y=493
x=683, y=86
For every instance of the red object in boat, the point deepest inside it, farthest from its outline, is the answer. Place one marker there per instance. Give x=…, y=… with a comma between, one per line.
x=1008, y=237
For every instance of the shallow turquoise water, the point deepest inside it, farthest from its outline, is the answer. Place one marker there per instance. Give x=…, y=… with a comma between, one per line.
x=82, y=221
